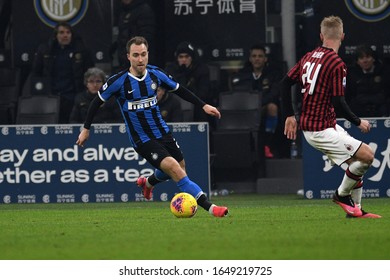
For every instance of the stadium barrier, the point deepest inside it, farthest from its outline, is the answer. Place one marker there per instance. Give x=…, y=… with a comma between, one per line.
x=43, y=164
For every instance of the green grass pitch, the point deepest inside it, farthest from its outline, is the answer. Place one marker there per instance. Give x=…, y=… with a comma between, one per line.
x=259, y=227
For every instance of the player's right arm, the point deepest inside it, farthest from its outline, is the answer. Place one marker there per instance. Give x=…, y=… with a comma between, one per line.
x=290, y=128
x=290, y=124
x=287, y=103
x=93, y=108
x=83, y=137
x=108, y=89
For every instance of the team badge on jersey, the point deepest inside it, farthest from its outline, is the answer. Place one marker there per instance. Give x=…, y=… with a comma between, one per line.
x=153, y=86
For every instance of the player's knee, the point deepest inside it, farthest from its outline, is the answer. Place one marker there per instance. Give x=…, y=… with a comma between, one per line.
x=369, y=155
x=359, y=168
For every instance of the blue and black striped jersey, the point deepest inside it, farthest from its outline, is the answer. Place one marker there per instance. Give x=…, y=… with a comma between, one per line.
x=137, y=97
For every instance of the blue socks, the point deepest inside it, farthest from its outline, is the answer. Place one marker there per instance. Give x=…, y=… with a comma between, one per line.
x=161, y=176
x=270, y=123
x=186, y=185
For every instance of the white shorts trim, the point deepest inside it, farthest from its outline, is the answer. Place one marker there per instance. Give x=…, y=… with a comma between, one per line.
x=335, y=143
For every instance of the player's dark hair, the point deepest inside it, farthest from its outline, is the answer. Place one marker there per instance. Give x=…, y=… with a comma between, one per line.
x=137, y=40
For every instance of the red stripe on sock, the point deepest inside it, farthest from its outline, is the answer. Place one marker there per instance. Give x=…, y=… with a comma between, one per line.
x=352, y=176
x=358, y=185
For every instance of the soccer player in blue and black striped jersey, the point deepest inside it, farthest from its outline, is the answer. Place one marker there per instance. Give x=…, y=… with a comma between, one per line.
x=135, y=90
x=321, y=74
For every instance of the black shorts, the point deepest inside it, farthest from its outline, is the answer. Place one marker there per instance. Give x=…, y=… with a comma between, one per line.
x=154, y=151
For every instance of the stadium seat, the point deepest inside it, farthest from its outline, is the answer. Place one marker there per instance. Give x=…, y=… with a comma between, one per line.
x=38, y=109
x=9, y=93
x=36, y=85
x=235, y=140
x=187, y=109
x=5, y=58
x=241, y=110
x=215, y=82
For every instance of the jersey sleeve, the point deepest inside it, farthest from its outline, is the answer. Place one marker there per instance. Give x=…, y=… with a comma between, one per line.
x=339, y=80
x=293, y=74
x=167, y=81
x=111, y=87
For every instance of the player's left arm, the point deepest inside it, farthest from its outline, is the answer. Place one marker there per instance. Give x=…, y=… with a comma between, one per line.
x=339, y=81
x=341, y=105
x=169, y=83
x=189, y=96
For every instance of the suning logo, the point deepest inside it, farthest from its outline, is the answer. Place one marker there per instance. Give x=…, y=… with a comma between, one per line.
x=53, y=11
x=369, y=10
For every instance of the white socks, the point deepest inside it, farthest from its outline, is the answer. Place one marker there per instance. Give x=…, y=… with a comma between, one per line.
x=211, y=209
x=352, y=176
x=357, y=196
